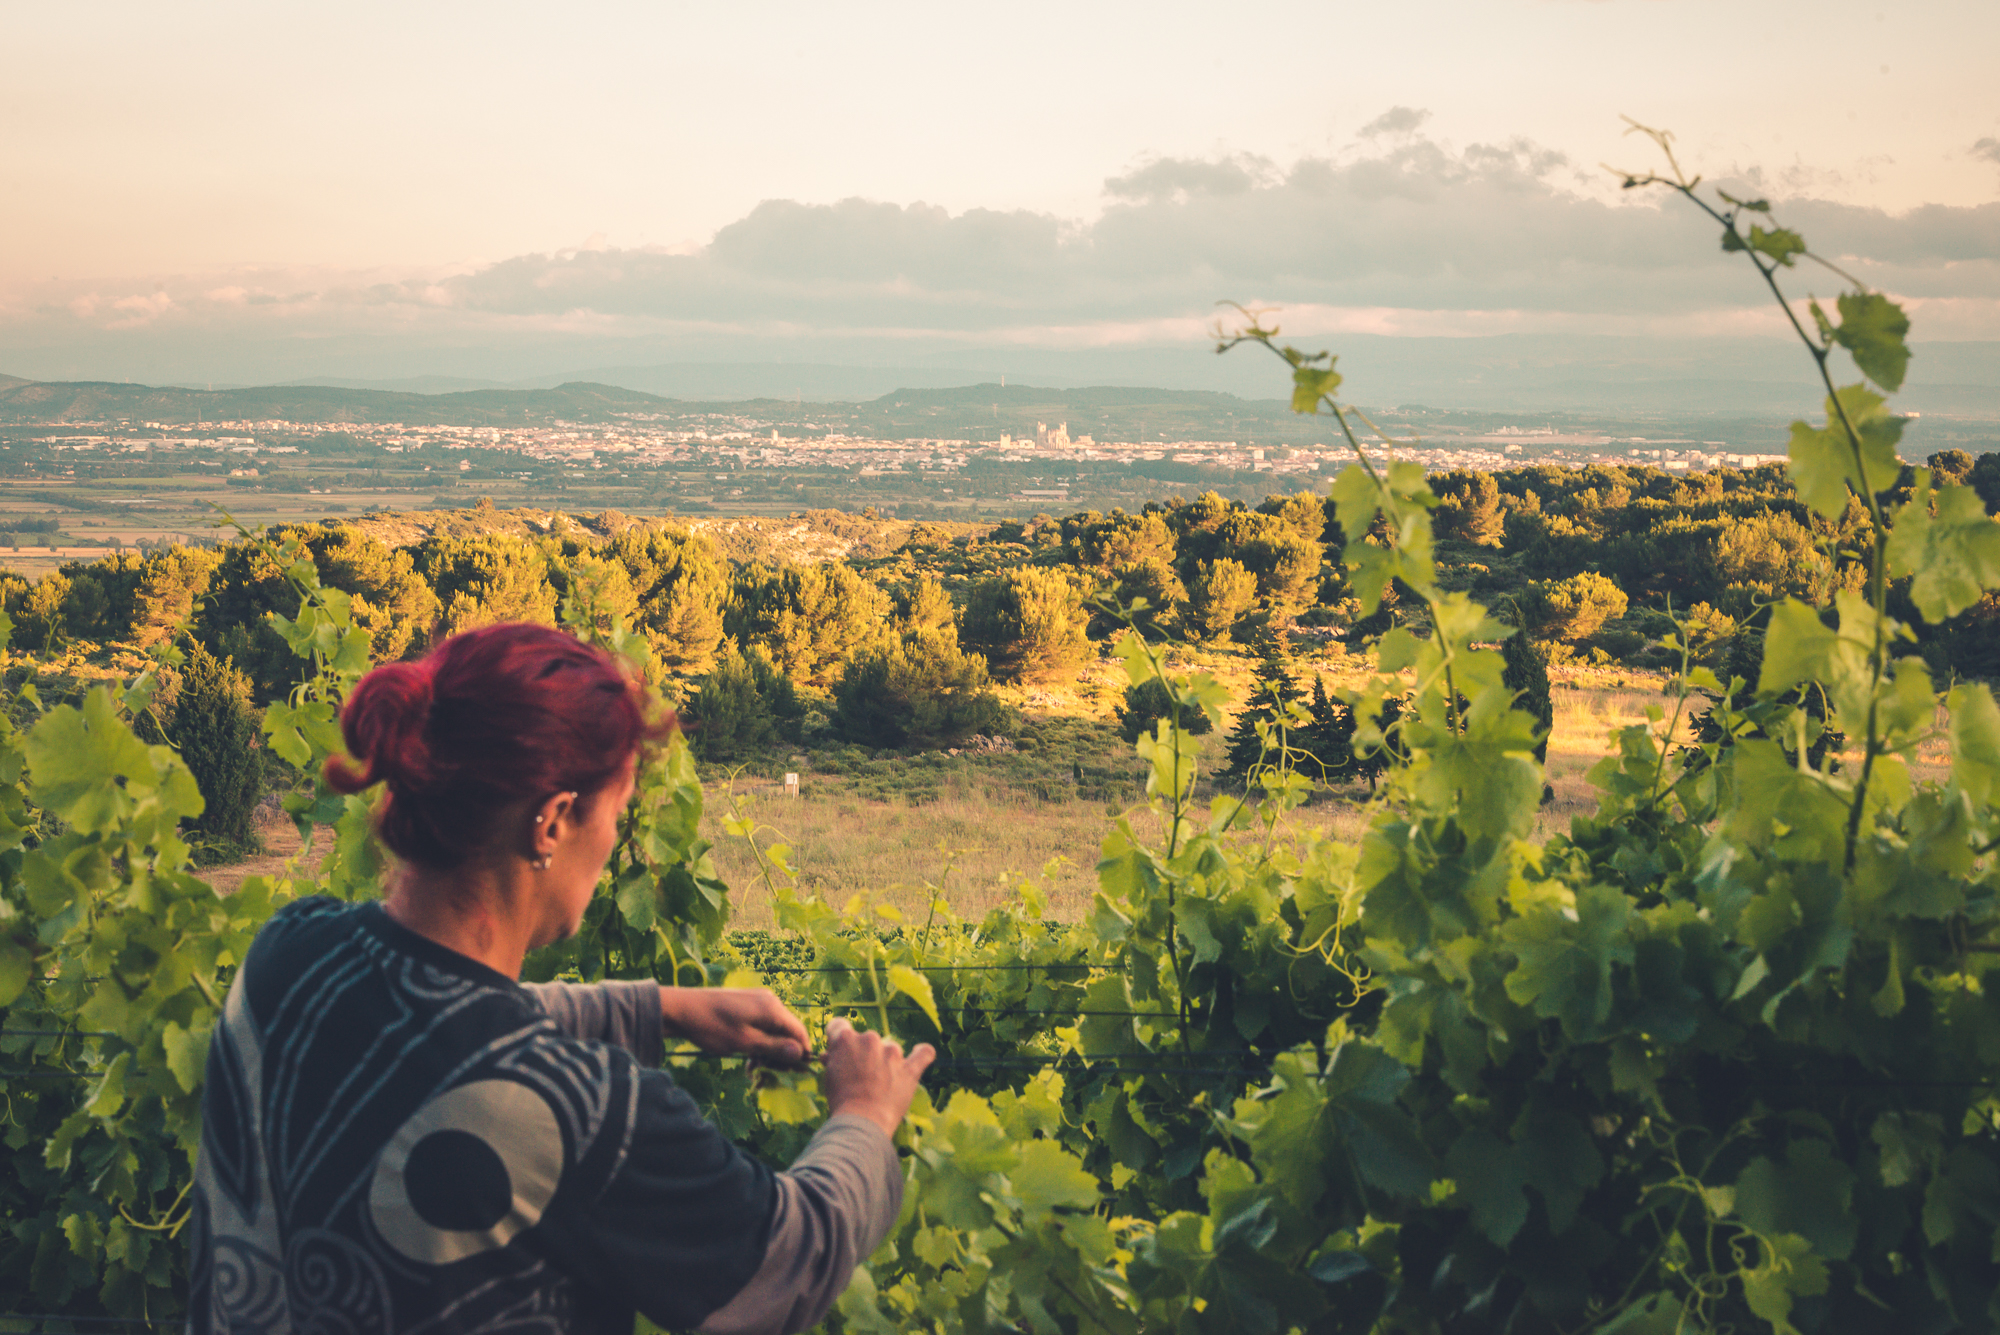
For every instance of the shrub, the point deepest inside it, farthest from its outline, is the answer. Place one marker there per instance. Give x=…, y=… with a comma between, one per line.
x=744, y=706
x=919, y=692
x=1329, y=739
x=1469, y=508
x=1573, y=609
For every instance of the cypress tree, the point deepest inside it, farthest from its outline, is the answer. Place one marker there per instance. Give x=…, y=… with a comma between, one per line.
x=1148, y=703
x=1745, y=660
x=1527, y=675
x=1274, y=688
x=215, y=727
x=1330, y=738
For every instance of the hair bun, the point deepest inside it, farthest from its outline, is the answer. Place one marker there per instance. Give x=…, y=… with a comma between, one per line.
x=384, y=725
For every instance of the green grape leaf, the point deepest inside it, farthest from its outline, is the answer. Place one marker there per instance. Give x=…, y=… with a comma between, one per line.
x=107, y=1096
x=1952, y=555
x=904, y=979
x=351, y=658
x=1780, y=244
x=1963, y=1195
x=1311, y=383
x=1361, y=1086
x=791, y=1103
x=1911, y=1145
x=1132, y=650
x=1557, y=1159
x=1492, y=1183
x=638, y=896
x=1975, y=741
x=281, y=726
x=87, y=764
x=1809, y=1195
x=1823, y=461
x=186, y=1050
x=15, y=964
x=936, y=1247
x=1035, y=1110
x=1288, y=1138
x=1872, y=327
x=1787, y=1269
x=1563, y=964
x=1049, y=1177
x=85, y=1242
x=1798, y=647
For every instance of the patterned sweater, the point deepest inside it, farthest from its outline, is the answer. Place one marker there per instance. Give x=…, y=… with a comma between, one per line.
x=397, y=1139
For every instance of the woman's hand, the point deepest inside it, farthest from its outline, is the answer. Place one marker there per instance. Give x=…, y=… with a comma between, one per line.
x=747, y=1020
x=869, y=1076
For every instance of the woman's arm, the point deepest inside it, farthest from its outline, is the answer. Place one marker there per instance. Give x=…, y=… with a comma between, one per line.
x=624, y=1014
x=638, y=1015
x=840, y=1197
x=834, y=1206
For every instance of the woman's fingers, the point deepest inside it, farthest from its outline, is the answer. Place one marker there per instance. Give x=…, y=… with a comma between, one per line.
x=870, y=1075
x=784, y=1022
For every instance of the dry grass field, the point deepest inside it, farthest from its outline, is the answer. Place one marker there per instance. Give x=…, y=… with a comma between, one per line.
x=979, y=843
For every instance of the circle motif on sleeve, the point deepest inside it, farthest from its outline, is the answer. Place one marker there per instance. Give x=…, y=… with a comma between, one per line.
x=468, y=1171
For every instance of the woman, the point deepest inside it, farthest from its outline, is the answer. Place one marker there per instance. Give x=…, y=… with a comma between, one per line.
x=399, y=1137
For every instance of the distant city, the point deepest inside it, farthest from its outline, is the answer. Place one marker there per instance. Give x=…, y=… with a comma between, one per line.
x=741, y=442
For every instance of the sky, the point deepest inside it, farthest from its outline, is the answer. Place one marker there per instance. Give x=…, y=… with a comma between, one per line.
x=250, y=192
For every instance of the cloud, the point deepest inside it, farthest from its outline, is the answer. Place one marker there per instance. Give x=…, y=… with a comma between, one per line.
x=1400, y=234
x=1988, y=148
x=1179, y=179
x=1396, y=121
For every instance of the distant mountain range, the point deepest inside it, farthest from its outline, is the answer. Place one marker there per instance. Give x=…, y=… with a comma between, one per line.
x=1948, y=381
x=90, y=401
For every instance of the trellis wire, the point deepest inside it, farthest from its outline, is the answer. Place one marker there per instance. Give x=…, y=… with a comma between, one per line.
x=923, y=968
x=7, y=1320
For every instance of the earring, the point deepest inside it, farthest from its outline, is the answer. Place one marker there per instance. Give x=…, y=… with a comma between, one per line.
x=538, y=820
x=542, y=863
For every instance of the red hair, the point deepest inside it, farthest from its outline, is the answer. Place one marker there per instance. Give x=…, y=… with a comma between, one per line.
x=487, y=719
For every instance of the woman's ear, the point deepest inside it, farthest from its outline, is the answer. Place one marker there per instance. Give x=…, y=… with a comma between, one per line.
x=550, y=823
